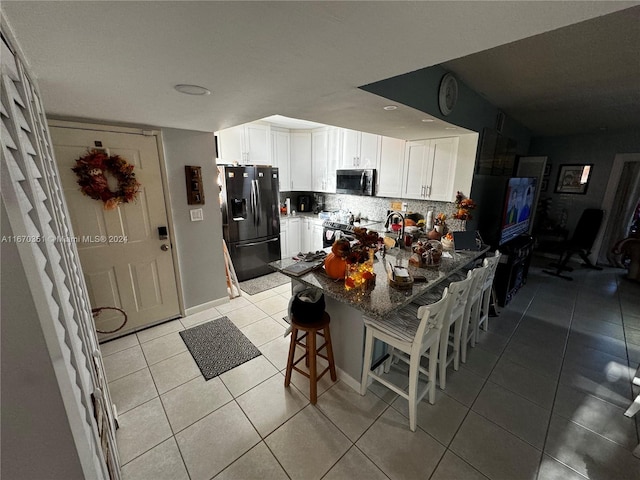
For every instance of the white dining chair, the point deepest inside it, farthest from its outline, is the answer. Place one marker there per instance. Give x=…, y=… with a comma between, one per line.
x=634, y=408
x=409, y=347
x=472, y=309
x=457, y=299
x=487, y=287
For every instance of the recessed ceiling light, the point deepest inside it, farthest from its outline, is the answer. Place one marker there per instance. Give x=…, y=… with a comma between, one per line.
x=390, y=107
x=449, y=128
x=192, y=89
x=428, y=120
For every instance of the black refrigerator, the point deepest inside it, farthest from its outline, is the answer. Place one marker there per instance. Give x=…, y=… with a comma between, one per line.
x=251, y=218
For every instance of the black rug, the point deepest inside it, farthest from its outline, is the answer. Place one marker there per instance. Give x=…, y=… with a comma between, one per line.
x=218, y=346
x=266, y=282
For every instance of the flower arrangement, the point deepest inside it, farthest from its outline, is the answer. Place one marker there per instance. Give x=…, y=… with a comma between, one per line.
x=440, y=219
x=358, y=257
x=91, y=170
x=464, y=207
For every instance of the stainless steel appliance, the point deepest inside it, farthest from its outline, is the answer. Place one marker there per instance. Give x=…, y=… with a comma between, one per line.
x=331, y=231
x=250, y=218
x=304, y=203
x=356, y=182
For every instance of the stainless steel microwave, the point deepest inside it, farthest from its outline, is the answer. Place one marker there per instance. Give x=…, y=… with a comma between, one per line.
x=356, y=182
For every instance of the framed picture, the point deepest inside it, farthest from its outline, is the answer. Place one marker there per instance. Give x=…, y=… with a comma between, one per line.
x=547, y=169
x=574, y=178
x=544, y=185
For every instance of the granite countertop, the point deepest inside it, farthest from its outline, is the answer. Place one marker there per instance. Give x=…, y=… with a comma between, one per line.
x=384, y=299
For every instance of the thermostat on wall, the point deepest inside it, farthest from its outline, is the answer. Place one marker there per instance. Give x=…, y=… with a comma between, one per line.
x=196, y=215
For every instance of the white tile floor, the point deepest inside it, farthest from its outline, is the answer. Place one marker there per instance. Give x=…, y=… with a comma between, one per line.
x=541, y=397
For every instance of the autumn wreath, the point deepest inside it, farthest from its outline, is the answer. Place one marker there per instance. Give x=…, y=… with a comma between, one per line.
x=92, y=170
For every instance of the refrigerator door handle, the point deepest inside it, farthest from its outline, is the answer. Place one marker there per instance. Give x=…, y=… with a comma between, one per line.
x=258, y=203
x=252, y=201
x=253, y=244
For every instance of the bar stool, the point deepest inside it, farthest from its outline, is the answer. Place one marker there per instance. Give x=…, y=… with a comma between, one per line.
x=320, y=327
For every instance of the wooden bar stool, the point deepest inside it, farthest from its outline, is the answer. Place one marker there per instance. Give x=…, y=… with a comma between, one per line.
x=321, y=327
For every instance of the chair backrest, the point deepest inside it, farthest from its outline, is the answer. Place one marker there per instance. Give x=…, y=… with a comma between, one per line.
x=431, y=317
x=492, y=264
x=477, y=276
x=458, y=294
x=587, y=229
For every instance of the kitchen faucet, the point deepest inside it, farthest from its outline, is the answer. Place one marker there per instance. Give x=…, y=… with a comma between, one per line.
x=388, y=222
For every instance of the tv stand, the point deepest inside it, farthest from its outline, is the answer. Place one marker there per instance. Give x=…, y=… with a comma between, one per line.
x=513, y=268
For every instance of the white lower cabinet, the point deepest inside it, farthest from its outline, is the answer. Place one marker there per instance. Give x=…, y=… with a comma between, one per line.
x=289, y=236
x=284, y=238
x=301, y=234
x=311, y=235
x=316, y=237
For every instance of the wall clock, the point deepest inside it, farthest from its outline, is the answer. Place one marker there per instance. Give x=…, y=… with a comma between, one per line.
x=448, y=94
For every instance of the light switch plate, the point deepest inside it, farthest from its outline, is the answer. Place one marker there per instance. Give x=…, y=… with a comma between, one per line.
x=196, y=215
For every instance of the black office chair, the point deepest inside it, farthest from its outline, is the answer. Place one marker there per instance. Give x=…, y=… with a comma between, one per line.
x=580, y=242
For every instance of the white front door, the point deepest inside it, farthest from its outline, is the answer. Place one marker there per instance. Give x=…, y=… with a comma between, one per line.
x=125, y=263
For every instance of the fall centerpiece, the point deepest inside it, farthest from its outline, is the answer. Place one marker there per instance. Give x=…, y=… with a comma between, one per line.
x=353, y=262
x=439, y=227
x=464, y=206
x=92, y=170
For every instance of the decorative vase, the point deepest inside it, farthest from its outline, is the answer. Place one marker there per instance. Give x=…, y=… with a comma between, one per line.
x=435, y=234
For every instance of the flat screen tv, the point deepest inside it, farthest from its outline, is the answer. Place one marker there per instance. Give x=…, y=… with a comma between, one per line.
x=518, y=207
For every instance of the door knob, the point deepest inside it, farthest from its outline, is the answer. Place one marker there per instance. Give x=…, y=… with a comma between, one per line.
x=164, y=247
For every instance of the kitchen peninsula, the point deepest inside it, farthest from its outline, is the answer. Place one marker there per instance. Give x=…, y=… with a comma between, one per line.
x=347, y=307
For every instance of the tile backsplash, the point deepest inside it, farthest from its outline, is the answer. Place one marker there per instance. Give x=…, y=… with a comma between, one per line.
x=375, y=208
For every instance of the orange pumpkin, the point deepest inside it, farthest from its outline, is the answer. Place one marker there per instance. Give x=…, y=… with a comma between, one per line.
x=335, y=266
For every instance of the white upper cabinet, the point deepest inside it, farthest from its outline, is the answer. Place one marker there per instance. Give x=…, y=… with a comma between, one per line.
x=258, y=144
x=445, y=153
x=430, y=167
x=280, y=157
x=248, y=144
x=300, y=162
x=359, y=149
x=390, y=167
x=326, y=145
x=319, y=160
x=230, y=145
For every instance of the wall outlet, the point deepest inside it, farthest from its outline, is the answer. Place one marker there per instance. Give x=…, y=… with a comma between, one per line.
x=404, y=206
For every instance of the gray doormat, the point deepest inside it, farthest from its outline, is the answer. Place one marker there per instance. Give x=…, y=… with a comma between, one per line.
x=218, y=346
x=266, y=282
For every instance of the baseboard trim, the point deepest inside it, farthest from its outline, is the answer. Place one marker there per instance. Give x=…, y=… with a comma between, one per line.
x=206, y=306
x=348, y=379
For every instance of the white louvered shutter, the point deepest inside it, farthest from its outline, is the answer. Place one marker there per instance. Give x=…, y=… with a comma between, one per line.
x=32, y=194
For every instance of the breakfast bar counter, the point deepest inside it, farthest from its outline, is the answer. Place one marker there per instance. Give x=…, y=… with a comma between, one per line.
x=346, y=308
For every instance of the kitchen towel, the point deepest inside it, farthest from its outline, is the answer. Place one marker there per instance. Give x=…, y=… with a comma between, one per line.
x=218, y=346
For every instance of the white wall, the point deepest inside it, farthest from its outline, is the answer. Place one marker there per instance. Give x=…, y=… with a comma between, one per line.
x=36, y=438
x=199, y=244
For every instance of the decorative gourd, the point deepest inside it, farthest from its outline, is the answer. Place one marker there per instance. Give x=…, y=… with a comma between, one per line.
x=335, y=266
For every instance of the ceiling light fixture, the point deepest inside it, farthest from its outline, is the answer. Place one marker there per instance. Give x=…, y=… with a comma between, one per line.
x=390, y=107
x=449, y=128
x=192, y=89
x=428, y=120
